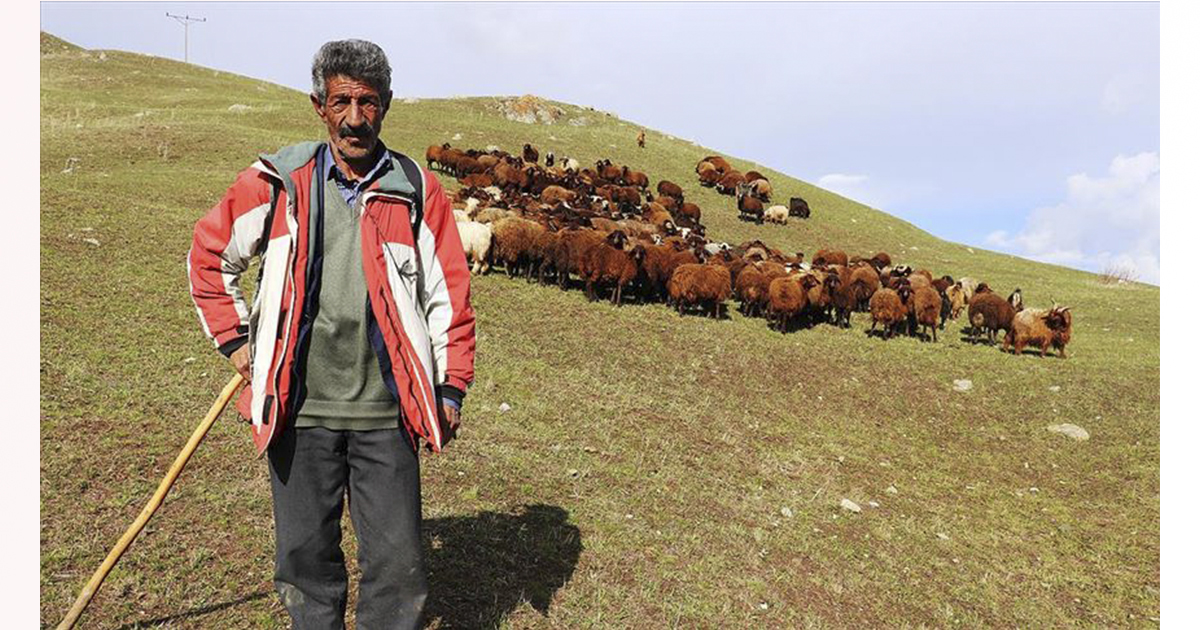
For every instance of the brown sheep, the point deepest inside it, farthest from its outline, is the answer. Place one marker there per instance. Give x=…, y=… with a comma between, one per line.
x=761, y=188
x=820, y=294
x=752, y=176
x=892, y=277
x=568, y=252
x=924, y=309
x=749, y=287
x=509, y=177
x=555, y=194
x=608, y=171
x=706, y=286
x=710, y=178
x=706, y=167
x=881, y=260
x=653, y=208
x=864, y=281
x=529, y=154
x=513, y=239
x=958, y=300
x=659, y=218
x=919, y=280
x=625, y=194
x=718, y=162
x=433, y=155
x=749, y=208
x=642, y=230
x=688, y=213
x=830, y=257
x=607, y=262
x=670, y=189
x=729, y=183
x=846, y=299
x=1042, y=328
x=752, y=291
x=604, y=225
x=476, y=180
x=466, y=165
x=544, y=246
x=888, y=308
x=786, y=298
x=635, y=178
x=988, y=311
x=668, y=202
x=943, y=283
x=660, y=262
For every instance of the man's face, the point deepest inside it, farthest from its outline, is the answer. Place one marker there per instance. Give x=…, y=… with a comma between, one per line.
x=353, y=112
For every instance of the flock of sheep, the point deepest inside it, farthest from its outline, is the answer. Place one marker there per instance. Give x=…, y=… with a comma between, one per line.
x=603, y=225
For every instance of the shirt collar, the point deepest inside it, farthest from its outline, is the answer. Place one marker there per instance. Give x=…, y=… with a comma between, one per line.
x=331, y=171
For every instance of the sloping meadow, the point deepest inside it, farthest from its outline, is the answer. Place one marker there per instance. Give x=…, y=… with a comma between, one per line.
x=620, y=467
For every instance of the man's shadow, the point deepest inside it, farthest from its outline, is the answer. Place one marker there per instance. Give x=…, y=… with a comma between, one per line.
x=482, y=567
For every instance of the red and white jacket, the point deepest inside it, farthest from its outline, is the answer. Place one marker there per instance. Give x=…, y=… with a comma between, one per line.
x=419, y=291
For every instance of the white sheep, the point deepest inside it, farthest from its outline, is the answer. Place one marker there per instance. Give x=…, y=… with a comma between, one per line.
x=712, y=249
x=571, y=164
x=461, y=215
x=472, y=207
x=968, y=286
x=776, y=214
x=477, y=242
x=495, y=192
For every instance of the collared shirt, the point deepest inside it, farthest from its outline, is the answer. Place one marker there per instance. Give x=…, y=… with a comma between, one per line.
x=351, y=189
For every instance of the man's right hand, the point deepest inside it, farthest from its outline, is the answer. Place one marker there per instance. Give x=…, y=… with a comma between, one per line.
x=241, y=361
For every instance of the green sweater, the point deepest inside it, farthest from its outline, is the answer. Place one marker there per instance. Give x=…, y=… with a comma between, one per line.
x=342, y=376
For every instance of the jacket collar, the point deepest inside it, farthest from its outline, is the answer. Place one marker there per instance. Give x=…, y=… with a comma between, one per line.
x=296, y=156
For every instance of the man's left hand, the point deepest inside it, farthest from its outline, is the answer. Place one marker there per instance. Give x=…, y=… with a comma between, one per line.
x=451, y=419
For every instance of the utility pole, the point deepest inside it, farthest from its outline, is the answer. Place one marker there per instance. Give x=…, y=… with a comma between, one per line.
x=186, y=21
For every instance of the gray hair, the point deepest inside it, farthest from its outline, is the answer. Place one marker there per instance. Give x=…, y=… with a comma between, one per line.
x=354, y=58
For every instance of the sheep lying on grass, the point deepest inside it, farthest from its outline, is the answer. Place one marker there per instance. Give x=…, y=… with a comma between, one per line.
x=776, y=214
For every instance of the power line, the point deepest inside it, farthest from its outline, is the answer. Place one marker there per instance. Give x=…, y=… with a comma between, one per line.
x=186, y=21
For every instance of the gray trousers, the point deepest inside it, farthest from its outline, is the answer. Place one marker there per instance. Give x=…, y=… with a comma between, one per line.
x=378, y=473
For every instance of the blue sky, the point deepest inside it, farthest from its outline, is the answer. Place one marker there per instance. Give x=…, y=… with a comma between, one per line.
x=1032, y=128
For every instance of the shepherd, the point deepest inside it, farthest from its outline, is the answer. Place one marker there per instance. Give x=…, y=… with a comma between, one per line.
x=359, y=346
x=642, y=139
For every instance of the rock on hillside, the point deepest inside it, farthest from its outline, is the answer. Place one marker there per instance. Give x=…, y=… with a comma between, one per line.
x=530, y=109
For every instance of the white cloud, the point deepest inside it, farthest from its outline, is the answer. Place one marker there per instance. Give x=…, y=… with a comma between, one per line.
x=1105, y=221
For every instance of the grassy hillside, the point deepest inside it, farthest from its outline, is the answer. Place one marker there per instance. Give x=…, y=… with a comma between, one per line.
x=652, y=470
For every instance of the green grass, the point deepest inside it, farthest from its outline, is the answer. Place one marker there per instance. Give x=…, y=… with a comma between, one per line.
x=640, y=476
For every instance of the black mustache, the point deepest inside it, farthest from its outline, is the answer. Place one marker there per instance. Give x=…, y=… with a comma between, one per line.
x=362, y=131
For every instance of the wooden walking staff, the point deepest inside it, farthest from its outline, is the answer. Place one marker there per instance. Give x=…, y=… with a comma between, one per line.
x=93, y=585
